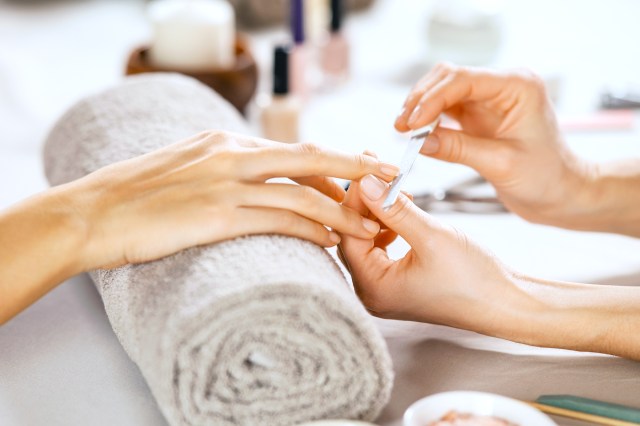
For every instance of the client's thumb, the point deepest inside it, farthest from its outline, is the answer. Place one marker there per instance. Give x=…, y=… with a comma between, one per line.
x=456, y=146
x=403, y=217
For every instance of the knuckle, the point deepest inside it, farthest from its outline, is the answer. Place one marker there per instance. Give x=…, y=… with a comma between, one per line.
x=454, y=148
x=536, y=81
x=292, y=224
x=351, y=218
x=529, y=78
x=214, y=137
x=309, y=149
x=464, y=70
x=314, y=155
x=210, y=144
x=462, y=239
x=458, y=74
x=204, y=134
x=287, y=222
x=362, y=161
x=398, y=211
x=413, y=100
x=443, y=66
x=307, y=197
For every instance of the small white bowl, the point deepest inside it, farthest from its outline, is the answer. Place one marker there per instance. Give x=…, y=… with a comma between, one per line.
x=432, y=408
x=336, y=423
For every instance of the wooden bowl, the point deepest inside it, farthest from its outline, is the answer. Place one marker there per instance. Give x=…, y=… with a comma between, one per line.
x=237, y=84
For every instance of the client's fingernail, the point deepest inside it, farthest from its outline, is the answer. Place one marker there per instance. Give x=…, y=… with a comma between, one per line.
x=370, y=225
x=389, y=169
x=401, y=113
x=431, y=145
x=372, y=188
x=335, y=238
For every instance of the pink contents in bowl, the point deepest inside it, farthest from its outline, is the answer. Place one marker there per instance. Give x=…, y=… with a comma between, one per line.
x=454, y=418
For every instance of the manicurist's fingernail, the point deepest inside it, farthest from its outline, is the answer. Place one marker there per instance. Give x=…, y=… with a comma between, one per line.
x=431, y=145
x=370, y=225
x=335, y=238
x=389, y=169
x=414, y=116
x=372, y=188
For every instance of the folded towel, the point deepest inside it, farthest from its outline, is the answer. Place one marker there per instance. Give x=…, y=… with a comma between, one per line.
x=261, y=330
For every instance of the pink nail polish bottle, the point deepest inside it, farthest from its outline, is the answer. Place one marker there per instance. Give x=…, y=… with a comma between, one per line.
x=280, y=119
x=335, y=53
x=299, y=55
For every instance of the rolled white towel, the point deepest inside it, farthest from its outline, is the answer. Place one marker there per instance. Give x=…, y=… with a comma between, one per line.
x=261, y=330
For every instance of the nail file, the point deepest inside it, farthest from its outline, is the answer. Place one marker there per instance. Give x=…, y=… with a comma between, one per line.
x=416, y=140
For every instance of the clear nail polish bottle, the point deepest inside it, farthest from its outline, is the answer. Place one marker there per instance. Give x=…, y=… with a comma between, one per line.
x=280, y=118
x=335, y=53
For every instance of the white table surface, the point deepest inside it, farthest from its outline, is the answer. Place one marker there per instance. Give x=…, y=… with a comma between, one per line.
x=60, y=363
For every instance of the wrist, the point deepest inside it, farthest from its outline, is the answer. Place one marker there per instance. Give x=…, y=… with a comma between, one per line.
x=581, y=317
x=574, y=204
x=46, y=231
x=615, y=197
x=601, y=197
x=89, y=199
x=69, y=221
x=515, y=312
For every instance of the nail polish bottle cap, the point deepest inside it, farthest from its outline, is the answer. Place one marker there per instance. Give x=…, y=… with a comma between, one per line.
x=281, y=70
x=297, y=21
x=336, y=15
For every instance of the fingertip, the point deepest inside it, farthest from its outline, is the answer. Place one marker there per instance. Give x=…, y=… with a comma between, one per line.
x=334, y=239
x=389, y=171
x=408, y=195
x=370, y=164
x=401, y=125
x=372, y=227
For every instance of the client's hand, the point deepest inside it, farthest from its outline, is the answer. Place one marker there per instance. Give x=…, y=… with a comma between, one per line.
x=212, y=187
x=509, y=134
x=205, y=189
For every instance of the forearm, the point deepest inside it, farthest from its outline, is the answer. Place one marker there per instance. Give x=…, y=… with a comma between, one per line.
x=607, y=199
x=41, y=245
x=582, y=317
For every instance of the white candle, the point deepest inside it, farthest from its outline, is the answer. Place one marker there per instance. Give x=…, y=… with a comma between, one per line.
x=192, y=35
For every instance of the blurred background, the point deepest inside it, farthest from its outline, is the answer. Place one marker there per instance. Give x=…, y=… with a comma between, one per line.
x=52, y=53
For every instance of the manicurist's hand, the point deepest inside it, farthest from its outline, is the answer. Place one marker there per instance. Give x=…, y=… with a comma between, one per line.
x=447, y=279
x=208, y=188
x=509, y=134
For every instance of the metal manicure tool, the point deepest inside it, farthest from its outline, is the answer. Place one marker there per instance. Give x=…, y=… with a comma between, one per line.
x=471, y=195
x=416, y=140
